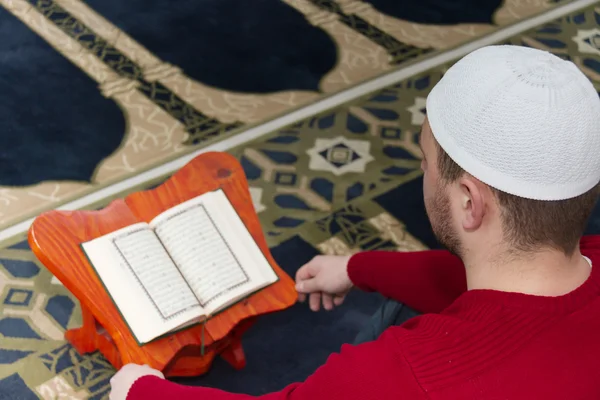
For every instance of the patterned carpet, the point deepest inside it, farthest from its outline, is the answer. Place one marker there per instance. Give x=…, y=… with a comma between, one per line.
x=122, y=86
x=345, y=180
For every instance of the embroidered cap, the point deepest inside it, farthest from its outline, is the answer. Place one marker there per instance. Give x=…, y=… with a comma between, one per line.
x=521, y=120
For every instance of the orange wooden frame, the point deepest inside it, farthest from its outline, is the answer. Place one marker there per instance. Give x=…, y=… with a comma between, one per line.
x=55, y=238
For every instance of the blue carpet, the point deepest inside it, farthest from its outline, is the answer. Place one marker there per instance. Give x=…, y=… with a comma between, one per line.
x=440, y=12
x=54, y=122
x=258, y=46
x=57, y=125
x=593, y=227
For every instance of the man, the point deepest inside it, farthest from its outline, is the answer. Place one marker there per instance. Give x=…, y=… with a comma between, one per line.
x=511, y=162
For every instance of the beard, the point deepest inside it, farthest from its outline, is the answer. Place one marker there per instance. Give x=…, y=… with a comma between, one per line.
x=439, y=213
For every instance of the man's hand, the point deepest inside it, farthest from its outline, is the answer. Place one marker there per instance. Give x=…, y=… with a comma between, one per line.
x=324, y=280
x=122, y=381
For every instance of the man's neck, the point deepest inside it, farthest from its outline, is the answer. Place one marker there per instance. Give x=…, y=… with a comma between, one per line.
x=545, y=273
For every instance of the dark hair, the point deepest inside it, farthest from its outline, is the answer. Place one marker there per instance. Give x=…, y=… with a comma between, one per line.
x=530, y=224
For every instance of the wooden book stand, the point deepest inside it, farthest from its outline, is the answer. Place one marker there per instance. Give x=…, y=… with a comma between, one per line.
x=55, y=239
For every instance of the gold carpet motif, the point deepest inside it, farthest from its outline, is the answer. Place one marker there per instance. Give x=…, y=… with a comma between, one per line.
x=155, y=136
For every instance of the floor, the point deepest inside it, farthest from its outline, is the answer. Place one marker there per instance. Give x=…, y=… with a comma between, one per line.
x=128, y=85
x=334, y=170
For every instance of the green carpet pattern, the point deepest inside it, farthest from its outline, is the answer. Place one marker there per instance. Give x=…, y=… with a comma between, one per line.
x=326, y=180
x=365, y=148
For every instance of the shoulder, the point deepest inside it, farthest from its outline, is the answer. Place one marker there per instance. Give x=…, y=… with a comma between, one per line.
x=445, y=350
x=431, y=331
x=371, y=370
x=590, y=244
x=407, y=344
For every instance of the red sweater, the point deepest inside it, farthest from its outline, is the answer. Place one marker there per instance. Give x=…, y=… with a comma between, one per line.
x=478, y=344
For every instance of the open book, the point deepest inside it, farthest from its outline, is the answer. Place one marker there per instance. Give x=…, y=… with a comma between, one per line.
x=189, y=263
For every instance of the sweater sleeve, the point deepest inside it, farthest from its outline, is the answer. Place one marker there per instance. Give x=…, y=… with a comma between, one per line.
x=426, y=281
x=374, y=370
x=590, y=244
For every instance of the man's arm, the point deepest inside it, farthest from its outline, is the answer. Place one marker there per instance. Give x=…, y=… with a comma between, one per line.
x=426, y=281
x=374, y=370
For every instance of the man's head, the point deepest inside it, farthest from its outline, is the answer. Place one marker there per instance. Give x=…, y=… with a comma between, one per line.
x=511, y=149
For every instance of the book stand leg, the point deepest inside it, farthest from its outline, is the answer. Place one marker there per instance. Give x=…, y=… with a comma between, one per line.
x=91, y=336
x=234, y=354
x=189, y=362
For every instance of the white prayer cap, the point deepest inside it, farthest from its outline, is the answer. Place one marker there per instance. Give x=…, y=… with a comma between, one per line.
x=521, y=120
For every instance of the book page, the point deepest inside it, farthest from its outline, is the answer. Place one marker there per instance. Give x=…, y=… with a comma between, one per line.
x=147, y=288
x=201, y=253
x=146, y=258
x=218, y=261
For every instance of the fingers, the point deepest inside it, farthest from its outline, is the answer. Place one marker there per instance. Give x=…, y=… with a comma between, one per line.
x=307, y=286
x=338, y=300
x=310, y=287
x=314, y=301
x=305, y=274
x=327, y=301
x=301, y=297
x=307, y=271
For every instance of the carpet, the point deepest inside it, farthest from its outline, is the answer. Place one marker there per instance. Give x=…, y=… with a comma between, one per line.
x=98, y=91
x=337, y=182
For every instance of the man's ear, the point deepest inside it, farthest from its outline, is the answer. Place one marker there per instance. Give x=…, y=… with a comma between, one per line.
x=473, y=195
